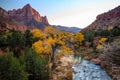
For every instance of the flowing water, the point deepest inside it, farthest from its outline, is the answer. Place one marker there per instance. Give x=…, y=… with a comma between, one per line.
x=89, y=71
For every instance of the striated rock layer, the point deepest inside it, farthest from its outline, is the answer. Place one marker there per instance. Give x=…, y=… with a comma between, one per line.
x=22, y=19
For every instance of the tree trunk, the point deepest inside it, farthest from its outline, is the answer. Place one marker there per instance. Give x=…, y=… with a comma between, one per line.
x=53, y=56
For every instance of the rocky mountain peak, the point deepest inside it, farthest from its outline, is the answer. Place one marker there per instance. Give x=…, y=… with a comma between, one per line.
x=27, y=6
x=32, y=14
x=26, y=16
x=27, y=13
x=44, y=20
x=27, y=9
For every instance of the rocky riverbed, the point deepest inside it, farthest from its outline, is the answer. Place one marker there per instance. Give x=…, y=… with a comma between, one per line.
x=89, y=71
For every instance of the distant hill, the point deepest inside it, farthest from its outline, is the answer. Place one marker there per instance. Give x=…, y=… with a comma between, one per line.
x=69, y=29
x=105, y=20
x=22, y=19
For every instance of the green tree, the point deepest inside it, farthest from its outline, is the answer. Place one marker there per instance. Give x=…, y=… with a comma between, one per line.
x=115, y=31
x=17, y=42
x=3, y=40
x=11, y=69
x=28, y=38
x=110, y=38
x=89, y=36
x=105, y=33
x=36, y=66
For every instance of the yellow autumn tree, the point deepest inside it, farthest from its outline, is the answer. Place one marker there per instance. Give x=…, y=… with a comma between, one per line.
x=38, y=46
x=101, y=41
x=37, y=33
x=66, y=50
x=69, y=37
x=41, y=48
x=55, y=39
x=51, y=31
x=79, y=37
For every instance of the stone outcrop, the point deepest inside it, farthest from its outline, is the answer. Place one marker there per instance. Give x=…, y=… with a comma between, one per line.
x=96, y=61
x=21, y=19
x=105, y=20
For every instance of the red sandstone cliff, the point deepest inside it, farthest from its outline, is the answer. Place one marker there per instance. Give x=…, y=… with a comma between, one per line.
x=22, y=19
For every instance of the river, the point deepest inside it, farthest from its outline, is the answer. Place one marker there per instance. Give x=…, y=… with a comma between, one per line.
x=89, y=71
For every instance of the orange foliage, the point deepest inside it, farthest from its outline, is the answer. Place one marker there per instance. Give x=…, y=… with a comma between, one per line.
x=53, y=40
x=79, y=37
x=66, y=50
x=99, y=46
x=38, y=33
x=41, y=48
x=51, y=31
x=101, y=41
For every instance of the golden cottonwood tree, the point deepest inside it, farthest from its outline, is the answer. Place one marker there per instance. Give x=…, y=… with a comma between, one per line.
x=51, y=31
x=54, y=40
x=66, y=50
x=37, y=33
x=41, y=47
x=79, y=37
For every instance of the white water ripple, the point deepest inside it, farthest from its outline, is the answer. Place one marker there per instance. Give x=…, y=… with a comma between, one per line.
x=89, y=71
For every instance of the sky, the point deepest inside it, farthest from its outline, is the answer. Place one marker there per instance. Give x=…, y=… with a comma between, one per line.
x=71, y=13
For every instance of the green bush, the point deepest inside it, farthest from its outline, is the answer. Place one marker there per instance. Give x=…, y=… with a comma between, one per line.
x=28, y=38
x=36, y=66
x=110, y=38
x=105, y=33
x=11, y=69
x=115, y=31
x=30, y=66
x=89, y=35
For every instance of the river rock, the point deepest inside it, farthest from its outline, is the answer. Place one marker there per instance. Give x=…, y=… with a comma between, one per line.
x=87, y=57
x=96, y=61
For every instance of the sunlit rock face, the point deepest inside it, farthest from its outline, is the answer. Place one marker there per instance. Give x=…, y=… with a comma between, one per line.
x=27, y=14
x=22, y=19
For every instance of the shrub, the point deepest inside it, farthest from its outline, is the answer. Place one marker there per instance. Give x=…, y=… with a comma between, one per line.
x=10, y=68
x=105, y=33
x=36, y=66
x=89, y=35
x=115, y=31
x=110, y=39
x=30, y=66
